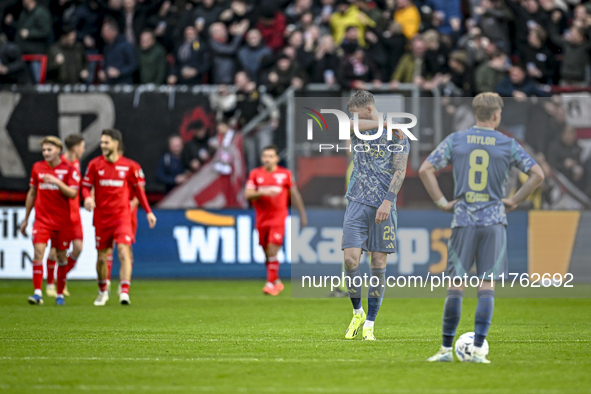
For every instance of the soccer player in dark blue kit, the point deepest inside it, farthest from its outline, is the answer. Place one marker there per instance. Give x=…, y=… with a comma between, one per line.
x=379, y=168
x=481, y=158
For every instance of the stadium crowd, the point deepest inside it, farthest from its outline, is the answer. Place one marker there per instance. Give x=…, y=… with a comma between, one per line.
x=461, y=46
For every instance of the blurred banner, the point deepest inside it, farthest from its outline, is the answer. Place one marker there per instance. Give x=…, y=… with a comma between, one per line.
x=146, y=119
x=224, y=244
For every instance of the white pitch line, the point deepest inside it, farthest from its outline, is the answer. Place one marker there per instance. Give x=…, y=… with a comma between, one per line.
x=285, y=389
x=14, y=339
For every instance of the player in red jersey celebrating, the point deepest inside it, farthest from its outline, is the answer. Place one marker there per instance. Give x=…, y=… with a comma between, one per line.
x=268, y=188
x=111, y=176
x=74, y=150
x=53, y=184
x=133, y=204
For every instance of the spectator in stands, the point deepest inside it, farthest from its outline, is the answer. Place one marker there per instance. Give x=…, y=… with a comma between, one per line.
x=303, y=44
x=152, y=59
x=284, y=74
x=350, y=42
x=357, y=71
x=575, y=49
x=436, y=54
x=252, y=55
x=13, y=69
x=326, y=62
x=411, y=65
x=447, y=16
x=517, y=84
x=133, y=17
x=556, y=14
x=120, y=60
x=249, y=103
x=395, y=45
x=33, y=28
x=407, y=15
x=493, y=20
x=458, y=82
x=271, y=23
x=224, y=63
x=565, y=155
x=489, y=74
x=199, y=150
x=171, y=171
x=347, y=16
x=192, y=60
x=296, y=10
x=66, y=60
x=87, y=19
x=526, y=15
x=538, y=57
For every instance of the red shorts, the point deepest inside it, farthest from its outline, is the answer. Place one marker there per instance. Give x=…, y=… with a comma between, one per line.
x=271, y=235
x=60, y=239
x=134, y=223
x=105, y=237
x=77, y=232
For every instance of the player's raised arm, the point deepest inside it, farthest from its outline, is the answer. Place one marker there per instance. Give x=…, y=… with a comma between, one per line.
x=298, y=201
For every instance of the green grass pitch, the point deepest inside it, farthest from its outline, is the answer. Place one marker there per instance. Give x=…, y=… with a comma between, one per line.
x=226, y=337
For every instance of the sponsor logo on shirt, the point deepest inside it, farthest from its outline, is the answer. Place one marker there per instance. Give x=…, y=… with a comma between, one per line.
x=101, y=172
x=48, y=186
x=260, y=179
x=111, y=182
x=279, y=178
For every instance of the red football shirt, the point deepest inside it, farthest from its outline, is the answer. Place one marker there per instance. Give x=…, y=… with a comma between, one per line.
x=112, y=182
x=270, y=211
x=52, y=207
x=74, y=202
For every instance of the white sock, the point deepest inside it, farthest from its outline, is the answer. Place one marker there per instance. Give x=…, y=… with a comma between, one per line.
x=269, y=284
x=368, y=324
x=60, y=296
x=38, y=292
x=358, y=311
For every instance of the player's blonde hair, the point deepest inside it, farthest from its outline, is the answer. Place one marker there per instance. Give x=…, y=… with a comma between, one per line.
x=485, y=105
x=53, y=140
x=360, y=99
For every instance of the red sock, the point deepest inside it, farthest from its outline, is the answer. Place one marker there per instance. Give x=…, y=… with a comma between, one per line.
x=102, y=285
x=71, y=263
x=62, y=270
x=272, y=269
x=50, y=271
x=37, y=274
x=109, y=266
x=125, y=286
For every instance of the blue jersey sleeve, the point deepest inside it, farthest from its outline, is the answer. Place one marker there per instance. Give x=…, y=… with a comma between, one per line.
x=520, y=158
x=405, y=145
x=441, y=156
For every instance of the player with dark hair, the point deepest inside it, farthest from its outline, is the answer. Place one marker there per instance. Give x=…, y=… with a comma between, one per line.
x=268, y=188
x=482, y=158
x=133, y=205
x=53, y=184
x=112, y=176
x=74, y=150
x=370, y=218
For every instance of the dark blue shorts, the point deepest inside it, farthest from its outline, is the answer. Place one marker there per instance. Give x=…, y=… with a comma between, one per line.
x=361, y=231
x=485, y=246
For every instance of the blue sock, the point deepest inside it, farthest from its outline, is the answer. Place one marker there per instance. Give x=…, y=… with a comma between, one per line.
x=354, y=291
x=376, y=293
x=452, y=311
x=483, y=316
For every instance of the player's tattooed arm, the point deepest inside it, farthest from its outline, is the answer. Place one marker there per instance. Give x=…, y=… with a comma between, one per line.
x=400, y=161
